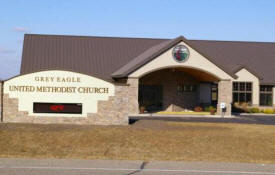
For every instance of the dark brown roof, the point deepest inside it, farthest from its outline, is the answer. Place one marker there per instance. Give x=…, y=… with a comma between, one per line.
x=96, y=56
x=103, y=56
x=257, y=57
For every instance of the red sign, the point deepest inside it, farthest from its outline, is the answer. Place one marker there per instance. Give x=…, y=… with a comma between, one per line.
x=57, y=108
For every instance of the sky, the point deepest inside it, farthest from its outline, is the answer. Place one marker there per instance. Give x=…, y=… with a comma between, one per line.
x=237, y=20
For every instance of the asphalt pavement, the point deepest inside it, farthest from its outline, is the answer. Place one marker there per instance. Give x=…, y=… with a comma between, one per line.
x=117, y=167
x=245, y=119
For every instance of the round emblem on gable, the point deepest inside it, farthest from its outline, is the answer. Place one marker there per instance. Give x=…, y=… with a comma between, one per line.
x=180, y=53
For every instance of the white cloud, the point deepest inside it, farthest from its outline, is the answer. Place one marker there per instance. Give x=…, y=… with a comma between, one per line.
x=21, y=29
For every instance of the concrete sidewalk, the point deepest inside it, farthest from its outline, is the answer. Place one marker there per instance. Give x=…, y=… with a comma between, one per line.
x=125, y=167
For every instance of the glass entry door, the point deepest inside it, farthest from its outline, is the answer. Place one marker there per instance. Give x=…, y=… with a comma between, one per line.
x=150, y=96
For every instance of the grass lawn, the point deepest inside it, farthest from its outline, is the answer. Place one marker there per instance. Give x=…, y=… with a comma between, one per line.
x=144, y=140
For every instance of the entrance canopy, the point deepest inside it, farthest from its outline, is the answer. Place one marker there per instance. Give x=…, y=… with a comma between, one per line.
x=166, y=54
x=177, y=89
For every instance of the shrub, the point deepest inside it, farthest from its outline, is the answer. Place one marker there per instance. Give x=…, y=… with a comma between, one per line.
x=198, y=109
x=212, y=108
x=268, y=111
x=239, y=107
x=209, y=108
x=254, y=110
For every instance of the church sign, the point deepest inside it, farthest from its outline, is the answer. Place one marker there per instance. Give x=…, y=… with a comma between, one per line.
x=54, y=93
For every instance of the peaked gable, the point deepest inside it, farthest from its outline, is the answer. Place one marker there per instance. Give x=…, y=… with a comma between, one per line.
x=156, y=51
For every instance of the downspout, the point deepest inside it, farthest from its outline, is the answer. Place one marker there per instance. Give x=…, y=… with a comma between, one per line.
x=2, y=100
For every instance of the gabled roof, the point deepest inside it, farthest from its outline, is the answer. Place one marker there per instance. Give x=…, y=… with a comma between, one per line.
x=257, y=57
x=240, y=67
x=103, y=56
x=95, y=56
x=155, y=51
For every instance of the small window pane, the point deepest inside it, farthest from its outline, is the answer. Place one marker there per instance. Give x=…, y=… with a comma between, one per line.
x=214, y=96
x=248, y=86
x=235, y=86
x=266, y=99
x=180, y=88
x=262, y=99
x=242, y=97
x=193, y=88
x=269, y=99
x=214, y=88
x=235, y=97
x=187, y=88
x=262, y=88
x=248, y=97
x=269, y=88
x=242, y=86
x=184, y=88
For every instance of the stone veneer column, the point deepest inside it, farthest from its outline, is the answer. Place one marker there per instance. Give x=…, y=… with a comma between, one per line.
x=133, y=106
x=225, y=95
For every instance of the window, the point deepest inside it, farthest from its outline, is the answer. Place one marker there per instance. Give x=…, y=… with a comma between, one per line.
x=266, y=95
x=214, y=94
x=186, y=88
x=242, y=92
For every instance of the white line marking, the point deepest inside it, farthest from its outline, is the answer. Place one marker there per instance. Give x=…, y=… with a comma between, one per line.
x=148, y=170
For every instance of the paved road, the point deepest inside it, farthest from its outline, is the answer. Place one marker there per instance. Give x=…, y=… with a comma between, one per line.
x=246, y=119
x=114, y=167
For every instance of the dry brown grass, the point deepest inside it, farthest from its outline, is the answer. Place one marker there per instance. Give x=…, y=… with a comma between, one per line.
x=145, y=140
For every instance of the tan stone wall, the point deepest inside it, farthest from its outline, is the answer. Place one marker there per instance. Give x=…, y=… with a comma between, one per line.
x=132, y=103
x=225, y=95
x=115, y=111
x=119, y=107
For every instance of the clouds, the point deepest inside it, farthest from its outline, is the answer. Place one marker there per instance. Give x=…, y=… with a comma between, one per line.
x=21, y=29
